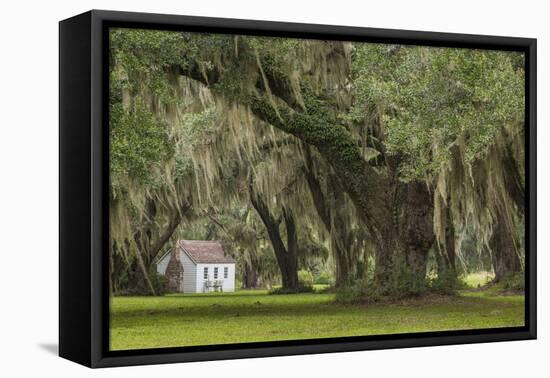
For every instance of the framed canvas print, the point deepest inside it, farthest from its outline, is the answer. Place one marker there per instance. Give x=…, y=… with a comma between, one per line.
x=233, y=188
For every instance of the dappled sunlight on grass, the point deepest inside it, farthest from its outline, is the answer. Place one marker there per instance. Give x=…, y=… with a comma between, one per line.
x=478, y=279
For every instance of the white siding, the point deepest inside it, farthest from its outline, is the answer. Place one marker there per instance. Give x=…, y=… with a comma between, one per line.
x=228, y=283
x=199, y=280
x=193, y=278
x=189, y=274
x=162, y=264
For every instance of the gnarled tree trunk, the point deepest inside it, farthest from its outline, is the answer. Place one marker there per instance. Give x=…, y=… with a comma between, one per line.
x=450, y=247
x=286, y=256
x=405, y=235
x=341, y=238
x=503, y=251
x=250, y=275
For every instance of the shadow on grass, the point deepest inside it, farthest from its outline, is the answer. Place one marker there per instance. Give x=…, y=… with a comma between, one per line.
x=227, y=309
x=270, y=306
x=217, y=295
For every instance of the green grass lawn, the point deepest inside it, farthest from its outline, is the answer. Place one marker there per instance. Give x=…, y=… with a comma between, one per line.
x=253, y=315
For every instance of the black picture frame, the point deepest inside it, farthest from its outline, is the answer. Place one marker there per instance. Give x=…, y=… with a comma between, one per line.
x=83, y=181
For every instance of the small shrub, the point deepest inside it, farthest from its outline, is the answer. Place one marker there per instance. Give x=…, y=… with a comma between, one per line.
x=324, y=289
x=305, y=278
x=401, y=283
x=159, y=282
x=360, y=291
x=446, y=282
x=323, y=279
x=238, y=282
x=514, y=282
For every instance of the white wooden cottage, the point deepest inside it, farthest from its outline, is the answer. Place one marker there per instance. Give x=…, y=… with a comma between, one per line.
x=197, y=266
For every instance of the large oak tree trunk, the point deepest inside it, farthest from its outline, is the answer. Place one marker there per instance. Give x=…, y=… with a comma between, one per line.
x=404, y=238
x=290, y=277
x=332, y=216
x=503, y=251
x=286, y=256
x=450, y=245
x=250, y=272
x=345, y=264
x=137, y=281
x=250, y=277
x=445, y=251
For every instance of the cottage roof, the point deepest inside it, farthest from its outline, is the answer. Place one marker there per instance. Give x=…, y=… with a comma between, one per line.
x=204, y=251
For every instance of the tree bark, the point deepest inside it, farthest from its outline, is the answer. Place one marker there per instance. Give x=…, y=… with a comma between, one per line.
x=405, y=238
x=250, y=276
x=503, y=251
x=137, y=283
x=345, y=264
x=341, y=238
x=286, y=256
x=450, y=244
x=291, y=264
x=512, y=179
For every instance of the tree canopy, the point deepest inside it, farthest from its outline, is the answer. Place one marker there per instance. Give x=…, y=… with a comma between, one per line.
x=337, y=156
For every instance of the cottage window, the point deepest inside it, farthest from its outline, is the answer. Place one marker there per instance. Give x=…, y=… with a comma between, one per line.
x=225, y=272
x=205, y=273
x=216, y=273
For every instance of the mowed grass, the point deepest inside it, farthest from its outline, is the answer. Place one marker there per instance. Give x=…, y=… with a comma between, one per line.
x=255, y=316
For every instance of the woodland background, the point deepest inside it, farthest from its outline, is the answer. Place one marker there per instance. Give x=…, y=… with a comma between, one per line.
x=368, y=167
x=31, y=337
